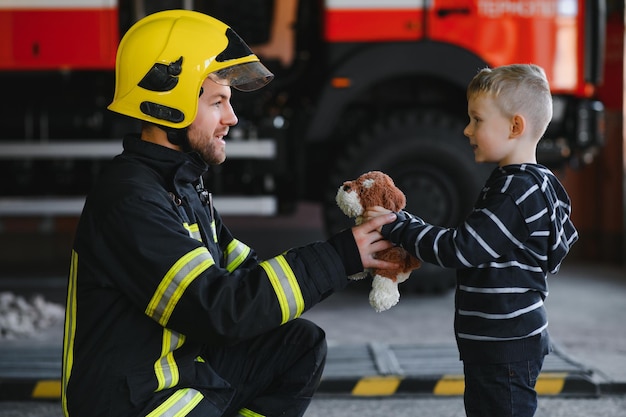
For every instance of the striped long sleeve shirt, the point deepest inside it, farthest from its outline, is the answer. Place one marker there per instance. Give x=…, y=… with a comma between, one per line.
x=518, y=232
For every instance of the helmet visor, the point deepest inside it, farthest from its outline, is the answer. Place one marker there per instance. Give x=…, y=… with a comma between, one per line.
x=248, y=76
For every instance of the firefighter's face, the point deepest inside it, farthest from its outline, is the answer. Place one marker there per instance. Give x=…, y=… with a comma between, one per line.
x=489, y=130
x=215, y=116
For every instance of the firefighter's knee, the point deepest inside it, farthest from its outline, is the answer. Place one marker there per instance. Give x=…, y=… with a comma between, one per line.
x=308, y=333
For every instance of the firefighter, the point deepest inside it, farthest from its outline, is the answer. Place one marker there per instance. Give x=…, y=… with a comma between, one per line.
x=167, y=313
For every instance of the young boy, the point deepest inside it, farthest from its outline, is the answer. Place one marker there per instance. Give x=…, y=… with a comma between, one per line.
x=519, y=230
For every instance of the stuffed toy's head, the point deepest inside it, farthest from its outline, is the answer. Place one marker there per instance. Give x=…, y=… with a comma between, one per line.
x=375, y=188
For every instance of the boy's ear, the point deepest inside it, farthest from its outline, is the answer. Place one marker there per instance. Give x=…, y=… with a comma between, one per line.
x=518, y=125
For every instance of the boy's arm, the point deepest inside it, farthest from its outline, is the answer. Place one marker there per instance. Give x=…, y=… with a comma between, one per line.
x=404, y=228
x=485, y=235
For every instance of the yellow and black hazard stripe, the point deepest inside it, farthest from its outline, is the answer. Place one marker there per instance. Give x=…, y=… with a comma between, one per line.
x=27, y=389
x=548, y=384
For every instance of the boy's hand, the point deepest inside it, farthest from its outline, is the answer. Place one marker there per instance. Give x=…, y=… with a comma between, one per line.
x=369, y=241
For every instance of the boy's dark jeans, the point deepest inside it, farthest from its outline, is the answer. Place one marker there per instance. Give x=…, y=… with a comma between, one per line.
x=501, y=390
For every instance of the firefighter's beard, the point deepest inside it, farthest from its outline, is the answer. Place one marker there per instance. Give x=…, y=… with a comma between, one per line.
x=211, y=149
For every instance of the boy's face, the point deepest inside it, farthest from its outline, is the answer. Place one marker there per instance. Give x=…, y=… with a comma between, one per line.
x=489, y=130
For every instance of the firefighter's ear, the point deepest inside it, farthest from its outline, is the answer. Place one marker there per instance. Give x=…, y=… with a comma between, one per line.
x=518, y=125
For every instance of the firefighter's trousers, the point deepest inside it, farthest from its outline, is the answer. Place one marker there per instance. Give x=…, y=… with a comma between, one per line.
x=274, y=374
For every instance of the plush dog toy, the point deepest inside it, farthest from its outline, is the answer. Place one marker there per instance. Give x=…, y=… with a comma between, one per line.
x=376, y=188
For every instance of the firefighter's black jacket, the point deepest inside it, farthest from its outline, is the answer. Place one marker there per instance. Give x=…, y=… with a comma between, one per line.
x=155, y=276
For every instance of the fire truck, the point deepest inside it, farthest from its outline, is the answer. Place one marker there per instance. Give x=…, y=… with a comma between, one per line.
x=359, y=85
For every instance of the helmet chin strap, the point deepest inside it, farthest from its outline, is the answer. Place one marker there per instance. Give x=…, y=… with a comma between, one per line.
x=177, y=137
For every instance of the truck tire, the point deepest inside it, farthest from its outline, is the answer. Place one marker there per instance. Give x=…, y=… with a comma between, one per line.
x=430, y=160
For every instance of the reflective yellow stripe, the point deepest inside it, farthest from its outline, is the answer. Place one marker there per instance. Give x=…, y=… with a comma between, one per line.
x=193, y=230
x=244, y=412
x=285, y=286
x=214, y=231
x=165, y=368
x=70, y=329
x=236, y=253
x=178, y=404
x=176, y=281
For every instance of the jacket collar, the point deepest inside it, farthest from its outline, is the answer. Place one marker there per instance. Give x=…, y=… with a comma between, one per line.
x=179, y=166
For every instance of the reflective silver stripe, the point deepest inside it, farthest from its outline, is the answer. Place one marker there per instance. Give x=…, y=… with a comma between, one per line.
x=236, y=253
x=165, y=368
x=176, y=281
x=285, y=286
x=178, y=404
x=193, y=230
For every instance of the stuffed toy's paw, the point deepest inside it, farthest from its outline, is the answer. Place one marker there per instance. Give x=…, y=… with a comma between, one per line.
x=384, y=293
x=376, y=188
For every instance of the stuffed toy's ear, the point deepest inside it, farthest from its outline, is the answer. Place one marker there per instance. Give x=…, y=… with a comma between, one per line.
x=395, y=198
x=399, y=200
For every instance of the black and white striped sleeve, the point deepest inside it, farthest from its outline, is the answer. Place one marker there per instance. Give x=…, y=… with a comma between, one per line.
x=488, y=233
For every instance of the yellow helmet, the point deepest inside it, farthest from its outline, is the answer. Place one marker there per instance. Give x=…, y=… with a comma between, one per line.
x=165, y=57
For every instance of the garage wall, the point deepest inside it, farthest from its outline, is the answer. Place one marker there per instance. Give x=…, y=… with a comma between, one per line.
x=598, y=190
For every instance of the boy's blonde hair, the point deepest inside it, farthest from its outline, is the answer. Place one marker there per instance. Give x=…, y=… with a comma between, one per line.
x=518, y=89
